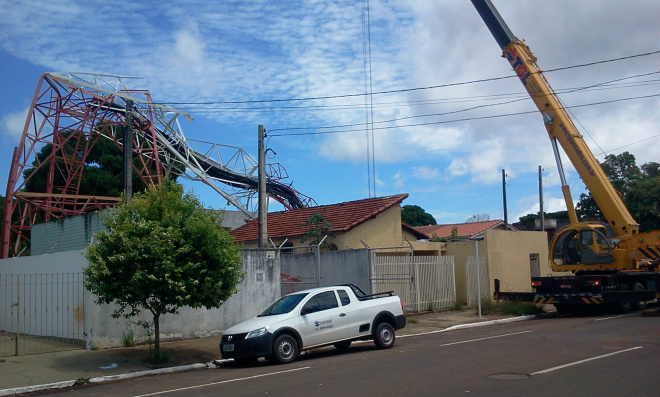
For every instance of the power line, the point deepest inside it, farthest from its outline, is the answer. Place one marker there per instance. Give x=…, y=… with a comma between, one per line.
x=405, y=89
x=448, y=121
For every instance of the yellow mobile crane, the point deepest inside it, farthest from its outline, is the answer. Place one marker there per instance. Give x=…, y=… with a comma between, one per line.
x=623, y=270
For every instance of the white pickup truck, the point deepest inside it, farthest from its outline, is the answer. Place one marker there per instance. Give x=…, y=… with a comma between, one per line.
x=313, y=318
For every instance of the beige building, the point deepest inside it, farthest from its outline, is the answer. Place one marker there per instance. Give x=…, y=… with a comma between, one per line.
x=367, y=223
x=512, y=257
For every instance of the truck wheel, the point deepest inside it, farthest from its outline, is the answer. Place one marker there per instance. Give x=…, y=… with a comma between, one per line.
x=638, y=306
x=285, y=349
x=623, y=307
x=384, y=336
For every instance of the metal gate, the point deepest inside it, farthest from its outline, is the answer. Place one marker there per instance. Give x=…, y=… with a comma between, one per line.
x=41, y=313
x=422, y=282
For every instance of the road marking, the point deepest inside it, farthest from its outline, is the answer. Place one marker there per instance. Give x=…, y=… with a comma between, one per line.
x=545, y=371
x=221, y=382
x=478, y=339
x=613, y=317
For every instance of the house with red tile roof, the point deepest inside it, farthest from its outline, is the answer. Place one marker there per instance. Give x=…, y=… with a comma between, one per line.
x=375, y=222
x=463, y=230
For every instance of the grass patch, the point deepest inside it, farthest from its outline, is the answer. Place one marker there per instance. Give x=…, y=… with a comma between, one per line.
x=510, y=307
x=128, y=337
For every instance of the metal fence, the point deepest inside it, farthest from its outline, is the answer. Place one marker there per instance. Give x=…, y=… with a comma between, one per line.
x=422, y=282
x=41, y=313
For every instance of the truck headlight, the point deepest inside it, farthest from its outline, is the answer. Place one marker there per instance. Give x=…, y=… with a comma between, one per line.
x=257, y=332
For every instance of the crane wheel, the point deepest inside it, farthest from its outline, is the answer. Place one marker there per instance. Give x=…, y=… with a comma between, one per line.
x=623, y=307
x=638, y=306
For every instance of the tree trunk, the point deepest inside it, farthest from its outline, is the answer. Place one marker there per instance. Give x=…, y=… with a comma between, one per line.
x=157, y=337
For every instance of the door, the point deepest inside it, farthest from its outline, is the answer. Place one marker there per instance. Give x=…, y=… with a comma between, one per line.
x=323, y=320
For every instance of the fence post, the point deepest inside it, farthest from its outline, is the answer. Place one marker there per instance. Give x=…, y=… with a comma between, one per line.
x=18, y=310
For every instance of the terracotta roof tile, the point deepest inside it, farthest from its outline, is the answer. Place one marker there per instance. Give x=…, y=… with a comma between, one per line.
x=462, y=229
x=342, y=216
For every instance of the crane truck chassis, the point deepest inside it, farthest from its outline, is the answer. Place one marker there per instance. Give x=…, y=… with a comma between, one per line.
x=623, y=271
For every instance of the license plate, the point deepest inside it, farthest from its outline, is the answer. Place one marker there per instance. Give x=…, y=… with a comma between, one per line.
x=228, y=348
x=566, y=286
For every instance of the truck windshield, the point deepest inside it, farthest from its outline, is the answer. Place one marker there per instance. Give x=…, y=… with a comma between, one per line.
x=283, y=305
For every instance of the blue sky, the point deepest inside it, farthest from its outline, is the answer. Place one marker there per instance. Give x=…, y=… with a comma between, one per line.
x=193, y=52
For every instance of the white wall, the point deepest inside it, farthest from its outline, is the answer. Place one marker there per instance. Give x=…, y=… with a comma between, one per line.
x=260, y=287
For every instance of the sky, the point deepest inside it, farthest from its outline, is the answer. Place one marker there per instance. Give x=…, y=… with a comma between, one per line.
x=448, y=114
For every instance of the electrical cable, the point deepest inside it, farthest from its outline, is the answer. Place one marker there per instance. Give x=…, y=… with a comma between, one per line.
x=405, y=89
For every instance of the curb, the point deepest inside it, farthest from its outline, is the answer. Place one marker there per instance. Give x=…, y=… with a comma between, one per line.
x=474, y=325
x=109, y=378
x=216, y=363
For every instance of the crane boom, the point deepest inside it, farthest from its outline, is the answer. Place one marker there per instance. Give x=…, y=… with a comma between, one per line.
x=581, y=246
x=559, y=125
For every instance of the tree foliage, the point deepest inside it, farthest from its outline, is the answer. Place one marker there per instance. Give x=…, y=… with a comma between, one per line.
x=413, y=215
x=103, y=167
x=317, y=227
x=162, y=251
x=639, y=189
x=559, y=215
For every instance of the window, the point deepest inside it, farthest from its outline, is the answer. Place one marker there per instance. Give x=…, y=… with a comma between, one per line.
x=343, y=297
x=322, y=301
x=283, y=305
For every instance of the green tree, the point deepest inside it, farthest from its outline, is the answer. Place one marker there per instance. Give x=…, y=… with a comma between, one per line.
x=162, y=251
x=559, y=215
x=639, y=188
x=643, y=198
x=622, y=172
x=103, y=167
x=316, y=228
x=413, y=215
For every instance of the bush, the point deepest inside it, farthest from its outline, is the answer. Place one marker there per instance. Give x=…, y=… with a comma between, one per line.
x=509, y=307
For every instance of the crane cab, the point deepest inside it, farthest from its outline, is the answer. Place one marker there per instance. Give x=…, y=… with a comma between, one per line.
x=579, y=246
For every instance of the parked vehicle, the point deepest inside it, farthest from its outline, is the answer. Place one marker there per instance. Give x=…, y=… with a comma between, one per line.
x=314, y=318
x=623, y=271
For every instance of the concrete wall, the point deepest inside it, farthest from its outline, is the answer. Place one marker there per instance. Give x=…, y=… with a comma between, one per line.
x=508, y=257
x=71, y=233
x=460, y=250
x=260, y=287
x=76, y=232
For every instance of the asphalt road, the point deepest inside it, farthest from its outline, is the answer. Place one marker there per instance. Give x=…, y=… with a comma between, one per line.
x=561, y=356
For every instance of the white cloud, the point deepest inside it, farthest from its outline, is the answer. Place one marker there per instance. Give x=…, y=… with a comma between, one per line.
x=399, y=180
x=13, y=124
x=244, y=51
x=550, y=204
x=425, y=172
x=189, y=50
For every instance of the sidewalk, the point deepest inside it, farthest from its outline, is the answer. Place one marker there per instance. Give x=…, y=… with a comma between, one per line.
x=29, y=373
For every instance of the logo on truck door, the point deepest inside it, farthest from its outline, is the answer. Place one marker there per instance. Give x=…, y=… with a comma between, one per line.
x=321, y=325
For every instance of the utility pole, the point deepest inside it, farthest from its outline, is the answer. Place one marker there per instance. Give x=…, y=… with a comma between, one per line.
x=128, y=153
x=541, y=215
x=263, y=198
x=506, y=221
